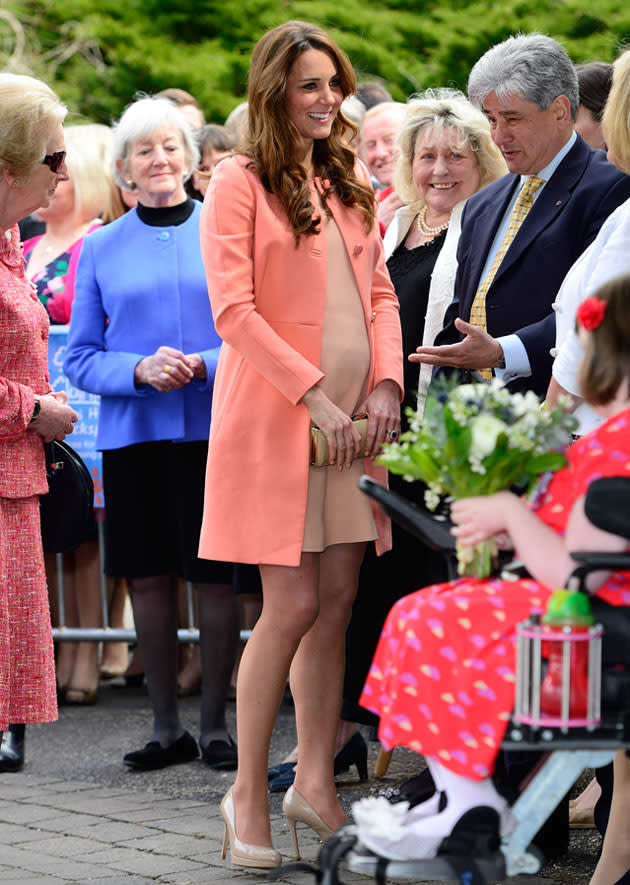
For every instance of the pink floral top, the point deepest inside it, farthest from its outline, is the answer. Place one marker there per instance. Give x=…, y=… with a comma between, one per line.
x=55, y=281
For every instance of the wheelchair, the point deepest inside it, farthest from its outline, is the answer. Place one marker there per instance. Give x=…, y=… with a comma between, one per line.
x=476, y=859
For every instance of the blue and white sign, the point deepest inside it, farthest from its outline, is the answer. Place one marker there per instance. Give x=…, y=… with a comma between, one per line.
x=83, y=440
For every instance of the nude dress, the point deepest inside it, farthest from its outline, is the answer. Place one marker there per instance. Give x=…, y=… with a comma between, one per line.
x=337, y=512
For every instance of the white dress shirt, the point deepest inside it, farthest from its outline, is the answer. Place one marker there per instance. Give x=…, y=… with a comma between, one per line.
x=607, y=257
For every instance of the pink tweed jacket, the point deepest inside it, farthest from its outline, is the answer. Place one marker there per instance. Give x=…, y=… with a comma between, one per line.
x=23, y=373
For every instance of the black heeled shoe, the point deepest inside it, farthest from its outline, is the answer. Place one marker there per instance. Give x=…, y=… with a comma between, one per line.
x=353, y=752
x=12, y=748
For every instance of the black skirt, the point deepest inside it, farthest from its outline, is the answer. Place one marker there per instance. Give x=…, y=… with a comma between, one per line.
x=154, y=505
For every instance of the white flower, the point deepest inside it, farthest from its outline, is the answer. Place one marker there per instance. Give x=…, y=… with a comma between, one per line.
x=566, y=402
x=518, y=405
x=375, y=814
x=467, y=392
x=432, y=496
x=485, y=429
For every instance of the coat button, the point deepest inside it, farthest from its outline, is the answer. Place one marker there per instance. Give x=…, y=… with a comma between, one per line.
x=358, y=249
x=164, y=235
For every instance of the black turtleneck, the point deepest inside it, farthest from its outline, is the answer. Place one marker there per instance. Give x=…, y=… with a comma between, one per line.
x=166, y=216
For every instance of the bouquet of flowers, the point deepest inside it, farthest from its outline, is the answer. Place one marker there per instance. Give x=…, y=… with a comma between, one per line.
x=477, y=439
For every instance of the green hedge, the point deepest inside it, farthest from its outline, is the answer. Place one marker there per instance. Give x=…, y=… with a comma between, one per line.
x=98, y=55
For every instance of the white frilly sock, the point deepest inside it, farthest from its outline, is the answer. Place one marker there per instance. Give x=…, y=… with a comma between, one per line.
x=463, y=793
x=418, y=835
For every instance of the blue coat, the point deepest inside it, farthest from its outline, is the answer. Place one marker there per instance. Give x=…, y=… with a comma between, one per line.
x=565, y=219
x=139, y=287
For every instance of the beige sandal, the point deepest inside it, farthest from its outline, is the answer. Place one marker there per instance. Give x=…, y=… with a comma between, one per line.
x=581, y=818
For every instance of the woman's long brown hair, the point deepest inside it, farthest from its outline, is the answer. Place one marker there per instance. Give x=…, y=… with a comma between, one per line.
x=273, y=141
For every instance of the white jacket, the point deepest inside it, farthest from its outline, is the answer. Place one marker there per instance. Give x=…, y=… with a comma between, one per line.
x=605, y=258
x=442, y=281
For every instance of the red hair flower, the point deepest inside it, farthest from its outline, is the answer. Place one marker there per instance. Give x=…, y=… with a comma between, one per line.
x=591, y=312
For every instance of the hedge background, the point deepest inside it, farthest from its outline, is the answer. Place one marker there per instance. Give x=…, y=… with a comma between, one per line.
x=97, y=55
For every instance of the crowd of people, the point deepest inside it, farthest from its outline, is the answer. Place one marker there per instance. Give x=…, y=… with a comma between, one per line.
x=309, y=268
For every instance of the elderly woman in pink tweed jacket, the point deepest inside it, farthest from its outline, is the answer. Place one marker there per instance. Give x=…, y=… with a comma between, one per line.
x=32, y=162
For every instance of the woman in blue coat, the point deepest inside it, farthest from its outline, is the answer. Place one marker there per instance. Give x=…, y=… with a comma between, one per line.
x=142, y=337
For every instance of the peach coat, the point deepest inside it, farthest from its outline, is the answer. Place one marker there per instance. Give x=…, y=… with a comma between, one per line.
x=268, y=299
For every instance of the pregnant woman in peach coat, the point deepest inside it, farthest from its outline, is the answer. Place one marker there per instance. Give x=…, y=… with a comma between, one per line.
x=309, y=320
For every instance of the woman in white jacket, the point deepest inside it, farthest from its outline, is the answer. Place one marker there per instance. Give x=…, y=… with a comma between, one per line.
x=446, y=154
x=605, y=258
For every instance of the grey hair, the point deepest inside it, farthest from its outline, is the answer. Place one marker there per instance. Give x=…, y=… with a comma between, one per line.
x=383, y=107
x=353, y=109
x=140, y=120
x=532, y=66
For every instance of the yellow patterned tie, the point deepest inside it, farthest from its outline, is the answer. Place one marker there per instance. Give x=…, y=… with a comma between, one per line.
x=519, y=212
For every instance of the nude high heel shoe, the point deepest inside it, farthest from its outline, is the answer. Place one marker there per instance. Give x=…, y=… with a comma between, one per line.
x=241, y=854
x=296, y=808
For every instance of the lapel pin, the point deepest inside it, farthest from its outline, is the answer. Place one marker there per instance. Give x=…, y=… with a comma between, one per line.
x=559, y=203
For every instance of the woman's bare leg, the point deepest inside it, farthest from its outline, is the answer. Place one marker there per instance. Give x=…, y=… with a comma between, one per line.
x=290, y=607
x=66, y=651
x=615, y=856
x=85, y=581
x=317, y=680
x=115, y=658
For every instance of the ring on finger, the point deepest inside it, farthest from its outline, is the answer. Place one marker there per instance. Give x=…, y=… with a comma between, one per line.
x=168, y=369
x=393, y=434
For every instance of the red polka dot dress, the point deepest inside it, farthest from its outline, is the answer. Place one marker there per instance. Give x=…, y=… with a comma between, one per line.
x=443, y=675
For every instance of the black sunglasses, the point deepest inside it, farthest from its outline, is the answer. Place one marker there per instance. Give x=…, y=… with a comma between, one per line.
x=54, y=161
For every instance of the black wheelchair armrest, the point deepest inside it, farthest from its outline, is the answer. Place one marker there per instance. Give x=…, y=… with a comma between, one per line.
x=607, y=504
x=593, y=562
x=433, y=530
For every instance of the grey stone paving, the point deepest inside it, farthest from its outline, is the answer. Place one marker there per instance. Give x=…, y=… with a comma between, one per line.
x=76, y=815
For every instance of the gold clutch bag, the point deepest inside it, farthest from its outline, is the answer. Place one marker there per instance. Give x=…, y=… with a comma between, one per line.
x=319, y=443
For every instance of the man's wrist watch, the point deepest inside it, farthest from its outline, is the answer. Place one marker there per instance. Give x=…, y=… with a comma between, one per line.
x=500, y=363
x=36, y=409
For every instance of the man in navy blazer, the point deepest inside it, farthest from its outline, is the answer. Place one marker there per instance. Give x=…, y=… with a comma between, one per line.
x=528, y=89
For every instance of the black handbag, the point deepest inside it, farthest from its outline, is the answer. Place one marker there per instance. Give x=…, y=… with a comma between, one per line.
x=67, y=510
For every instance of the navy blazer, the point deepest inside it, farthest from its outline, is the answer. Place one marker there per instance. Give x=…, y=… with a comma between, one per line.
x=563, y=221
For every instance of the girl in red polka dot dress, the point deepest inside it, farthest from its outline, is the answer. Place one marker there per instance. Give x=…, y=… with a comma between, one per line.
x=443, y=676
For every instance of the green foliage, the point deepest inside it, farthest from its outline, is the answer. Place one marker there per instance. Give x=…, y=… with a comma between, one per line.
x=98, y=55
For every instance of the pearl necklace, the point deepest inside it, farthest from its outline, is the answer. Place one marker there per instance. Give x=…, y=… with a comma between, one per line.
x=424, y=229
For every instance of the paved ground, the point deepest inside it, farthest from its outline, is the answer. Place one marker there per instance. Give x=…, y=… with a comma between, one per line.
x=76, y=814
